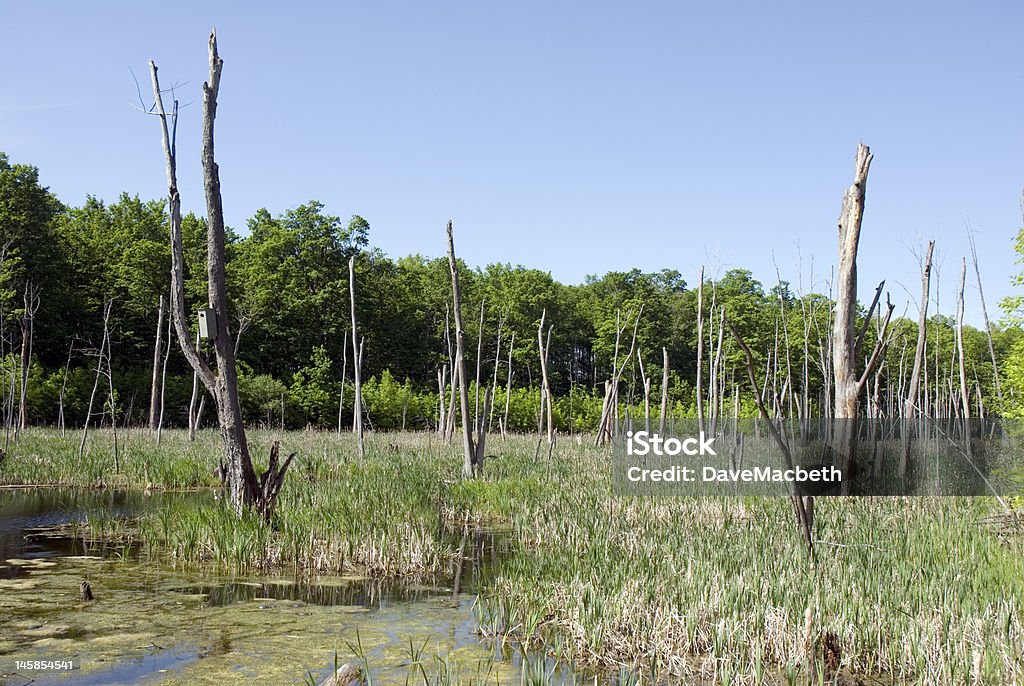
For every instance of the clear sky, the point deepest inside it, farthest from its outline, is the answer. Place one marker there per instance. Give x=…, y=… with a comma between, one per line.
x=578, y=138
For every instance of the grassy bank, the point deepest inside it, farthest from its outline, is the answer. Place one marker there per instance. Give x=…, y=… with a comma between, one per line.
x=918, y=589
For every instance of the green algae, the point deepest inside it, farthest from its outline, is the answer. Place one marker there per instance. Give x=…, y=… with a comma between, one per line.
x=148, y=624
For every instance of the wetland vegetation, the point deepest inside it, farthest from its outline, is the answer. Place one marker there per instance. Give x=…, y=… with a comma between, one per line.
x=707, y=590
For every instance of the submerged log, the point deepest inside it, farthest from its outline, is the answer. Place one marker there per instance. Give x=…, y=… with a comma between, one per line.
x=347, y=675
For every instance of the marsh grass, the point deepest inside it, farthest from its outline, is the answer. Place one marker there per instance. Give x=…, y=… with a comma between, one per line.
x=920, y=590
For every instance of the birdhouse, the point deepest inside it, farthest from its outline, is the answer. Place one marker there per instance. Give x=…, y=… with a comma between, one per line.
x=207, y=323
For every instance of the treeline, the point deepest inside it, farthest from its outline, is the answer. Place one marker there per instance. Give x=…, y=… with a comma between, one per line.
x=62, y=266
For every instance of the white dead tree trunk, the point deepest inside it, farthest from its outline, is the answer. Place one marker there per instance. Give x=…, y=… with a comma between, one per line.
x=646, y=382
x=163, y=388
x=154, y=397
x=479, y=361
x=984, y=313
x=848, y=385
x=508, y=386
x=470, y=463
x=910, y=403
x=246, y=489
x=700, y=351
x=357, y=361
x=965, y=400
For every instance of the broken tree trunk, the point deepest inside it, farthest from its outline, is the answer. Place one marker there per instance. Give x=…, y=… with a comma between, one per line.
x=470, y=464
x=848, y=386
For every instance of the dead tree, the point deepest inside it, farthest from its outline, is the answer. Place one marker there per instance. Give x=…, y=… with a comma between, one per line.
x=344, y=374
x=246, y=490
x=27, y=322
x=848, y=384
x=803, y=506
x=664, y=391
x=63, y=389
x=153, y=391
x=984, y=313
x=479, y=360
x=700, y=350
x=102, y=361
x=606, y=425
x=470, y=463
x=910, y=402
x=545, y=389
x=645, y=381
x=193, y=414
x=965, y=401
x=508, y=386
x=357, y=362
x=494, y=382
x=163, y=389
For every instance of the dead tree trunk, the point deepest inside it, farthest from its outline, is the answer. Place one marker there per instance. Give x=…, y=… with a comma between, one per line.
x=163, y=388
x=154, y=411
x=984, y=313
x=545, y=389
x=508, y=386
x=241, y=480
x=910, y=404
x=344, y=373
x=965, y=400
x=804, y=507
x=845, y=338
x=357, y=359
x=470, y=463
x=664, y=391
x=700, y=351
x=479, y=361
x=101, y=356
x=645, y=381
x=63, y=390
x=31, y=300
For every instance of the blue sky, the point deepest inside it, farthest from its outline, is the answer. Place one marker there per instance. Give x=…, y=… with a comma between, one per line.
x=578, y=138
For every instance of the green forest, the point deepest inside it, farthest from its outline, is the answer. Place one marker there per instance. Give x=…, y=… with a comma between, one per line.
x=63, y=266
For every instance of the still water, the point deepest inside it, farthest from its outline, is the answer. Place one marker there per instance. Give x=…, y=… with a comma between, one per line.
x=153, y=624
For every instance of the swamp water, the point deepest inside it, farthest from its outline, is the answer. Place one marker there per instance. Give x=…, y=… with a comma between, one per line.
x=151, y=624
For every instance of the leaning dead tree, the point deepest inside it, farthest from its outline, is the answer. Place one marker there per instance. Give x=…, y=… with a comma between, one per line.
x=154, y=397
x=911, y=406
x=246, y=489
x=472, y=462
x=846, y=340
